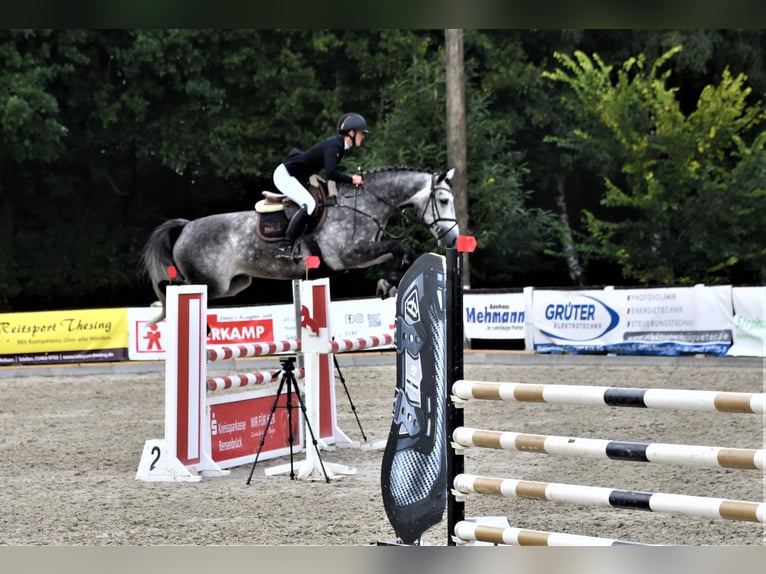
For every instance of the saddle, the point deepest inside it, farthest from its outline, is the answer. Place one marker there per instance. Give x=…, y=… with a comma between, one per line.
x=274, y=211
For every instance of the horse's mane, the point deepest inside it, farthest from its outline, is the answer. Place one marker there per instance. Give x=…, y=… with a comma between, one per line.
x=388, y=168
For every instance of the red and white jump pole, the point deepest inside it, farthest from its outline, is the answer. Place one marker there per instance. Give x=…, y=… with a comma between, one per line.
x=184, y=453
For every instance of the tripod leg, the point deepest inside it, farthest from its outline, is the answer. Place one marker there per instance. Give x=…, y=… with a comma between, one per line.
x=350, y=402
x=290, y=438
x=294, y=383
x=266, y=430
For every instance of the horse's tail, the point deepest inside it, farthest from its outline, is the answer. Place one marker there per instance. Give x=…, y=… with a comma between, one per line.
x=157, y=256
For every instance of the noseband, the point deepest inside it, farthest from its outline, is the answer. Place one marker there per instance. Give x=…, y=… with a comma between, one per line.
x=431, y=204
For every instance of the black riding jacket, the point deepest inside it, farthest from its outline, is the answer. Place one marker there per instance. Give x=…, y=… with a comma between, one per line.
x=325, y=155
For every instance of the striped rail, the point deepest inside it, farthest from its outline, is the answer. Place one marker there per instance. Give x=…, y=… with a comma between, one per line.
x=345, y=345
x=689, y=455
x=462, y=531
x=699, y=506
x=611, y=396
x=466, y=531
x=248, y=379
x=223, y=352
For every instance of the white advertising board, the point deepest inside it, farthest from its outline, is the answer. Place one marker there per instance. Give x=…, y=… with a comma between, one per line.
x=260, y=324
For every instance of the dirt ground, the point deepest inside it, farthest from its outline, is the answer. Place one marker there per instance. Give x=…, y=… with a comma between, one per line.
x=71, y=443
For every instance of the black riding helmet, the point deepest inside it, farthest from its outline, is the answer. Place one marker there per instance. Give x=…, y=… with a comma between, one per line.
x=351, y=121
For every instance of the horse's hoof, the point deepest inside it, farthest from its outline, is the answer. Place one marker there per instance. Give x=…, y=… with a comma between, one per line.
x=385, y=289
x=382, y=288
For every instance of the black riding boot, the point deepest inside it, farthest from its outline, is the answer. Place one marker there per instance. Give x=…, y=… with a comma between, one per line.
x=294, y=229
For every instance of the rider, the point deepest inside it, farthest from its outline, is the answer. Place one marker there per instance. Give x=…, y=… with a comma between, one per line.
x=292, y=175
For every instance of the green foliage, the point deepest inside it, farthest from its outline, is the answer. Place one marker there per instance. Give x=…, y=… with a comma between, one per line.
x=412, y=131
x=105, y=133
x=679, y=210
x=29, y=128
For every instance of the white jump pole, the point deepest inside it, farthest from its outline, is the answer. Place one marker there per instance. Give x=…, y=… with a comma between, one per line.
x=185, y=452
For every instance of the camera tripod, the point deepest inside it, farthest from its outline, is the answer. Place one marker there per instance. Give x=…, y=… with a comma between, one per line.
x=288, y=379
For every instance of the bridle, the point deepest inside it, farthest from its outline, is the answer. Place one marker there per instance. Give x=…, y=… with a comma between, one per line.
x=437, y=185
x=431, y=204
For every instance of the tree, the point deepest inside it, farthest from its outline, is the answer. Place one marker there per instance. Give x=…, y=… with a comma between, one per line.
x=31, y=133
x=680, y=210
x=105, y=133
x=412, y=130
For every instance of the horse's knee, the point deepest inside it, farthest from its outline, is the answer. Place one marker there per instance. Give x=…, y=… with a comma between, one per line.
x=409, y=256
x=394, y=276
x=405, y=259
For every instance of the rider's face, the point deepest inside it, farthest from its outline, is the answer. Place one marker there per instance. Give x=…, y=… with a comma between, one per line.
x=358, y=138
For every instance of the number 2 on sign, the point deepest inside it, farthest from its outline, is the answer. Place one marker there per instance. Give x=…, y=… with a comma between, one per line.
x=156, y=452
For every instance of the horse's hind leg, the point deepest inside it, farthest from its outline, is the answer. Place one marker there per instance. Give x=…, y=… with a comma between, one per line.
x=218, y=289
x=218, y=285
x=238, y=283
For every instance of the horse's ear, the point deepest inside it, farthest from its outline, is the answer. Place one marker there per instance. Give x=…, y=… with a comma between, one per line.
x=449, y=175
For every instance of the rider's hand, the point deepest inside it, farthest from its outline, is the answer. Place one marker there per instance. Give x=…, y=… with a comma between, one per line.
x=357, y=179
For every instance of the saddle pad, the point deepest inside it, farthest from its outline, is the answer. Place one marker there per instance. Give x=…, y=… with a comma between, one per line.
x=272, y=226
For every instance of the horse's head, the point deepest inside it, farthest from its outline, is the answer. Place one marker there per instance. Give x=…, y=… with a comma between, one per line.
x=428, y=194
x=435, y=206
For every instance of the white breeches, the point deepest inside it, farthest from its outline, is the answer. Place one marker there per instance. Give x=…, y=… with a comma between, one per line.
x=293, y=188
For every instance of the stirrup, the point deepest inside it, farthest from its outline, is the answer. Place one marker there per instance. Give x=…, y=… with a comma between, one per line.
x=285, y=250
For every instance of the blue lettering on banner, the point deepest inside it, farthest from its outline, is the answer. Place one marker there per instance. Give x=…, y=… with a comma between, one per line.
x=492, y=316
x=570, y=312
x=593, y=316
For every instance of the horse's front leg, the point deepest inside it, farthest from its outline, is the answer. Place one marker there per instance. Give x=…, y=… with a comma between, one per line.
x=403, y=257
x=368, y=253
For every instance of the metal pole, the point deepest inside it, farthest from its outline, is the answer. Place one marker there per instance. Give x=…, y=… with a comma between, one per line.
x=454, y=415
x=297, y=303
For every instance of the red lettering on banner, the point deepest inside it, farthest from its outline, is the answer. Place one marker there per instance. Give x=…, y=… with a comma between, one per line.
x=239, y=331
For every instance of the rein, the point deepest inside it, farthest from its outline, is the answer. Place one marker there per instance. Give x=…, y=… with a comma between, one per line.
x=431, y=203
x=356, y=210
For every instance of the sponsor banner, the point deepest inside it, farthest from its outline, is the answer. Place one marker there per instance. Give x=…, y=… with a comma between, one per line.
x=748, y=322
x=707, y=320
x=228, y=326
x=675, y=320
x=76, y=336
x=494, y=315
x=574, y=321
x=353, y=318
x=260, y=324
x=238, y=423
x=659, y=321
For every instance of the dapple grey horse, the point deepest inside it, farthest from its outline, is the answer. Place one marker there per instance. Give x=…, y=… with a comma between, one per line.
x=225, y=251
